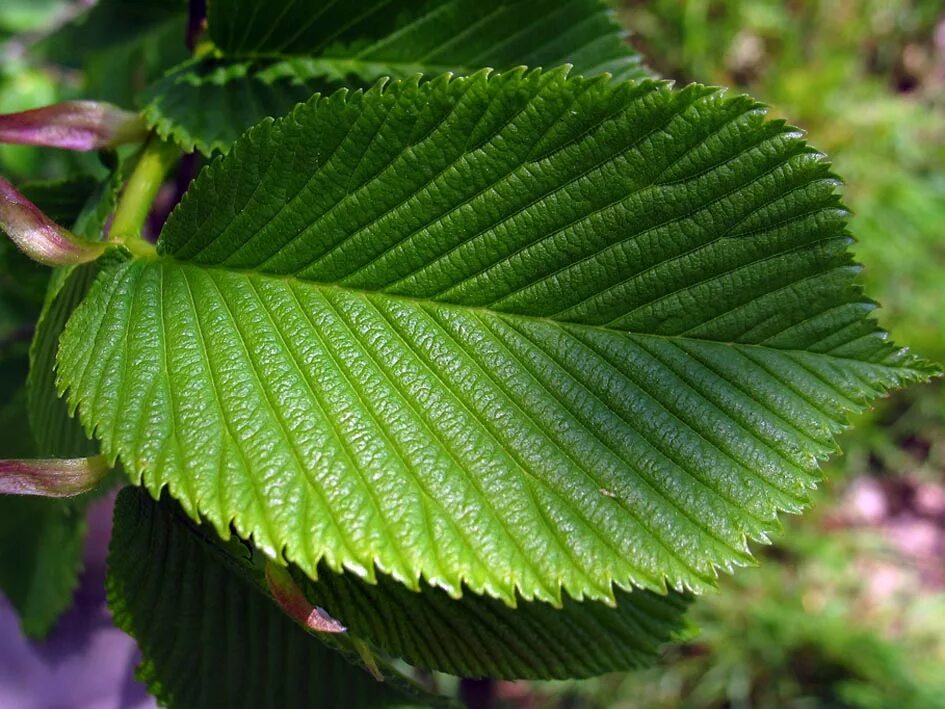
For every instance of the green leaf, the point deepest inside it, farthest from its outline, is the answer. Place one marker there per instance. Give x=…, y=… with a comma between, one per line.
x=523, y=332
x=209, y=638
x=399, y=39
x=22, y=281
x=56, y=432
x=109, y=23
x=205, y=104
x=15, y=439
x=477, y=636
x=61, y=200
x=279, y=57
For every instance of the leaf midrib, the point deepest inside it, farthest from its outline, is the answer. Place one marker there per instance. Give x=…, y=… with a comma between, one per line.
x=560, y=324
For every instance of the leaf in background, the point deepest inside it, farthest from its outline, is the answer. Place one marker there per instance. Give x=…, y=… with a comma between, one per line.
x=205, y=104
x=208, y=637
x=22, y=282
x=41, y=543
x=523, y=332
x=280, y=55
x=55, y=432
x=477, y=636
x=15, y=439
x=61, y=200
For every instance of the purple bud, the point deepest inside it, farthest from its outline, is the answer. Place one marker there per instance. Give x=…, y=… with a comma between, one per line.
x=52, y=477
x=291, y=599
x=73, y=125
x=38, y=236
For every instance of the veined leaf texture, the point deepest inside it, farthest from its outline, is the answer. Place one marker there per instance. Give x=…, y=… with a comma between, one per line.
x=524, y=332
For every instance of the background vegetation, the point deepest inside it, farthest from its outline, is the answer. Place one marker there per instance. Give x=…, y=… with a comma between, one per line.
x=848, y=607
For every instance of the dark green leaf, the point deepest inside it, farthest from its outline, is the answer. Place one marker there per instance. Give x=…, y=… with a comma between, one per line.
x=477, y=636
x=209, y=637
x=56, y=433
x=381, y=38
x=280, y=55
x=23, y=281
x=40, y=557
x=41, y=541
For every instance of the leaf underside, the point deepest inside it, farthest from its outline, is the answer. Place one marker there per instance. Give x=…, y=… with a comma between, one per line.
x=522, y=331
x=210, y=639
x=279, y=54
x=478, y=636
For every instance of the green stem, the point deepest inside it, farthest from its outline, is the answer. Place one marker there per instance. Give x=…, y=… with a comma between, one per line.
x=156, y=159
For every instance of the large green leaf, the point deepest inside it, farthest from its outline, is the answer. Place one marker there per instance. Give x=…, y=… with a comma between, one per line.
x=208, y=637
x=277, y=55
x=523, y=331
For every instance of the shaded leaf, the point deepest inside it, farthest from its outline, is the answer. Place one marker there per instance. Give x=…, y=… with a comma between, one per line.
x=55, y=432
x=279, y=56
x=41, y=543
x=22, y=281
x=41, y=540
x=209, y=637
x=477, y=636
